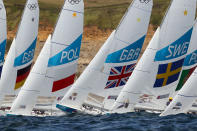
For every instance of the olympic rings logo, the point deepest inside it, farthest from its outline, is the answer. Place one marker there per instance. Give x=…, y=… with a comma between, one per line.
x=72, y=2
x=32, y=6
x=145, y=1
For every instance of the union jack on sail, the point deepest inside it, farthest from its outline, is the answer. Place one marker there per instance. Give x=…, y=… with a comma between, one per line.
x=119, y=76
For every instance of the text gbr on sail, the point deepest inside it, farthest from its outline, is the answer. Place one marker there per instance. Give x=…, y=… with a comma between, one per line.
x=131, y=54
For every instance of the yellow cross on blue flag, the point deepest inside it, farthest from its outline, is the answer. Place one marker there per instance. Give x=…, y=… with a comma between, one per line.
x=168, y=73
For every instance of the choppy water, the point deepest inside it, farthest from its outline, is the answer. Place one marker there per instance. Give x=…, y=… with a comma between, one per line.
x=114, y=122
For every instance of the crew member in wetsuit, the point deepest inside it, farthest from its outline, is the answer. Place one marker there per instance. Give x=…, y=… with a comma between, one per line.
x=170, y=100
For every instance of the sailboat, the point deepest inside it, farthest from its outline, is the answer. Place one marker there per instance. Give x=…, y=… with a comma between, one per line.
x=98, y=86
x=190, y=62
x=55, y=69
x=20, y=56
x=162, y=62
x=186, y=97
x=3, y=34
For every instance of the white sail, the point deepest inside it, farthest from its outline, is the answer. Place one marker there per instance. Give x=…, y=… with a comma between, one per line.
x=190, y=62
x=28, y=96
x=186, y=96
x=3, y=34
x=121, y=51
x=147, y=64
x=19, y=59
x=99, y=58
x=55, y=68
x=165, y=66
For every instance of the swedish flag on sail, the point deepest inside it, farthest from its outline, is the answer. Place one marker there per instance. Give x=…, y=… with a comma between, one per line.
x=168, y=73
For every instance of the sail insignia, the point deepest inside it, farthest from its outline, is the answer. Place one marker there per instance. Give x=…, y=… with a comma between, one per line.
x=184, y=77
x=73, y=2
x=191, y=59
x=27, y=56
x=176, y=49
x=22, y=75
x=119, y=76
x=70, y=54
x=145, y=1
x=129, y=53
x=168, y=73
x=32, y=6
x=63, y=83
x=2, y=51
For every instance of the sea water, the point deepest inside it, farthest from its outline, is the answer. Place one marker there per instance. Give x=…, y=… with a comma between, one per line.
x=110, y=122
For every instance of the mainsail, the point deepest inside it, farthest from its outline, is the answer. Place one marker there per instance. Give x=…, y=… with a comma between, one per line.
x=55, y=68
x=187, y=95
x=109, y=71
x=160, y=70
x=3, y=34
x=20, y=56
x=190, y=62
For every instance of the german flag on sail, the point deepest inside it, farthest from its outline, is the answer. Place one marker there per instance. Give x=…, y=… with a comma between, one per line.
x=184, y=77
x=63, y=83
x=168, y=73
x=22, y=75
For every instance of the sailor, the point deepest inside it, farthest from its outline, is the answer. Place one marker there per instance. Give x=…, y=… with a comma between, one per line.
x=170, y=100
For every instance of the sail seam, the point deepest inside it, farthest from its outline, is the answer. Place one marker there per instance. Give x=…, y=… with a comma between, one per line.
x=152, y=49
x=124, y=41
x=93, y=69
x=131, y=92
x=74, y=11
x=186, y=96
x=142, y=71
x=41, y=74
x=58, y=43
x=124, y=103
x=2, y=19
x=37, y=73
x=30, y=90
